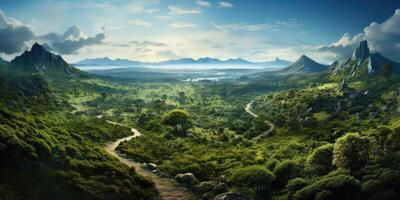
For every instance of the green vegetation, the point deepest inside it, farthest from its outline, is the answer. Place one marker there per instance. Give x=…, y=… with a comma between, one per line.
x=332, y=139
x=257, y=178
x=51, y=154
x=179, y=120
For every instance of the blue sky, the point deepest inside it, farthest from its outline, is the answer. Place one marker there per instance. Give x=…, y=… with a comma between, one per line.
x=154, y=30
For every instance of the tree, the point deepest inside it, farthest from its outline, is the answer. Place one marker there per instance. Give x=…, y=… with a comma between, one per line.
x=179, y=120
x=351, y=151
x=257, y=178
x=158, y=105
x=139, y=103
x=320, y=160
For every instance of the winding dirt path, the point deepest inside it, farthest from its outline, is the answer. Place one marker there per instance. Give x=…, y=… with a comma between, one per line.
x=168, y=188
x=269, y=123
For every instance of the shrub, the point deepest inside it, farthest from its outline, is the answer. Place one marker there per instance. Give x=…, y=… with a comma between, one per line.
x=271, y=164
x=320, y=160
x=334, y=187
x=351, y=151
x=296, y=184
x=285, y=171
x=256, y=178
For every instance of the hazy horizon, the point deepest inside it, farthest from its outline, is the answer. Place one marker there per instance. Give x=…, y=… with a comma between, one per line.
x=165, y=30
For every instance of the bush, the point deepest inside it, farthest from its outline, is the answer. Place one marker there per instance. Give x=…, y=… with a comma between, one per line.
x=320, y=160
x=256, y=178
x=285, y=171
x=335, y=187
x=271, y=164
x=296, y=184
x=351, y=151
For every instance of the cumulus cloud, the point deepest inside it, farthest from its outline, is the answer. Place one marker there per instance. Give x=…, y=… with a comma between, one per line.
x=13, y=35
x=70, y=41
x=382, y=37
x=175, y=10
x=225, y=4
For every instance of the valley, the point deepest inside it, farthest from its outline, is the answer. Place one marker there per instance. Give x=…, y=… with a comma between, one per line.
x=199, y=100
x=173, y=139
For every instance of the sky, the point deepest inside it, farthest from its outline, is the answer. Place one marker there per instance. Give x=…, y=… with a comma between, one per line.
x=157, y=30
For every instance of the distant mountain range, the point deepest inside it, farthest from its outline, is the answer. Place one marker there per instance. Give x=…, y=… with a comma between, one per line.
x=183, y=61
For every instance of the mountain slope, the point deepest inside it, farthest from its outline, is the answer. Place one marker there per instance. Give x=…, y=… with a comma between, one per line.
x=40, y=60
x=48, y=153
x=3, y=62
x=305, y=65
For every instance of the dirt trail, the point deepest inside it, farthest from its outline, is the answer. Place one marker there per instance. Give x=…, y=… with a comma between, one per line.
x=168, y=188
x=269, y=123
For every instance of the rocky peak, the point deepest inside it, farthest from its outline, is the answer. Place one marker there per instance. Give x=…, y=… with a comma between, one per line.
x=39, y=59
x=361, y=53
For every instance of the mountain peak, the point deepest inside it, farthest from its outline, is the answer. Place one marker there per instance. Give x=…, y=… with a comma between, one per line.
x=305, y=65
x=361, y=53
x=38, y=59
x=37, y=47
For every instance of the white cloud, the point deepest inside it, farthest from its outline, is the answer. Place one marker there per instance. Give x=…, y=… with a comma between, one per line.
x=175, y=10
x=183, y=25
x=139, y=22
x=140, y=8
x=13, y=35
x=163, y=17
x=382, y=37
x=71, y=41
x=225, y=4
x=203, y=3
x=152, y=10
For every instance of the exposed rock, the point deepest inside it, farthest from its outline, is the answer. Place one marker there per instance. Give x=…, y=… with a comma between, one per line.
x=343, y=86
x=373, y=115
x=206, y=186
x=150, y=166
x=364, y=62
x=221, y=187
x=187, y=179
x=361, y=53
x=231, y=196
x=207, y=196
